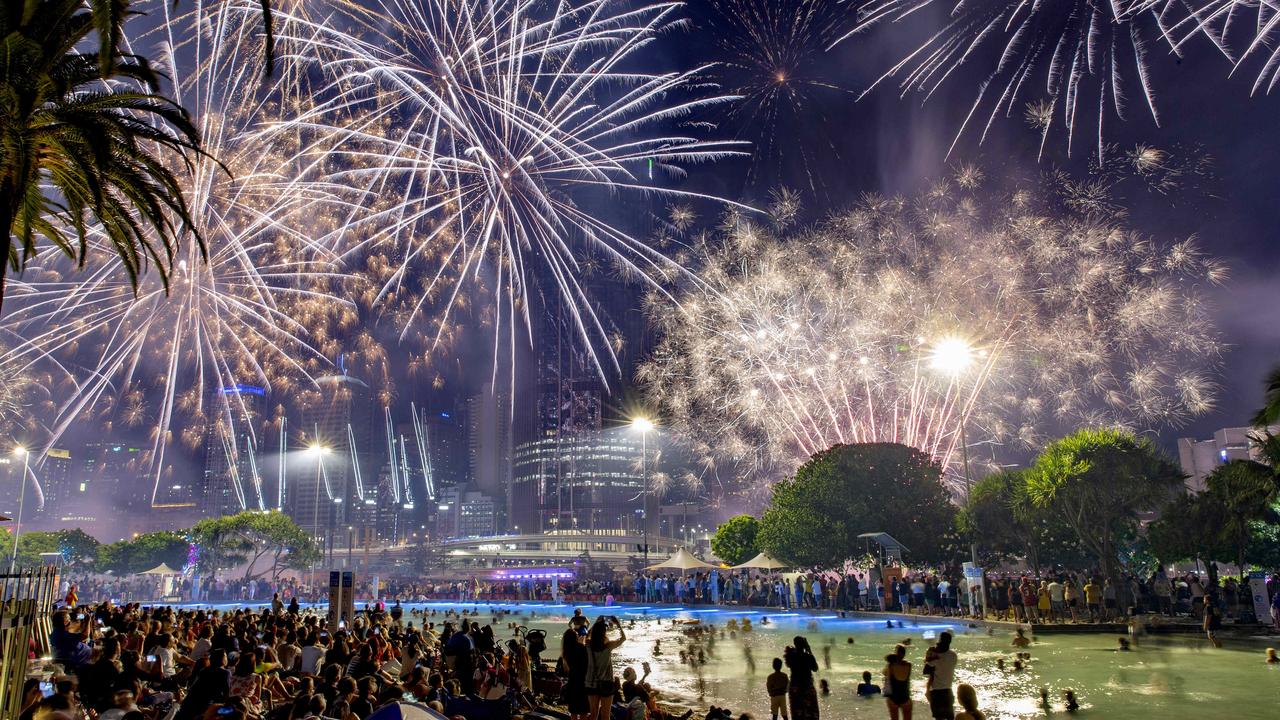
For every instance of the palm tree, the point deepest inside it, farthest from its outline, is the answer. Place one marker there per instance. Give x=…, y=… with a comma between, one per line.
x=83, y=151
x=1270, y=412
x=109, y=15
x=1267, y=442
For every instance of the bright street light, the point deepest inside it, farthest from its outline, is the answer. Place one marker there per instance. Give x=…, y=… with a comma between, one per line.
x=643, y=424
x=19, y=451
x=951, y=355
x=318, y=449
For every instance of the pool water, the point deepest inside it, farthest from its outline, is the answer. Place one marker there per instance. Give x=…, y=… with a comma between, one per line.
x=1170, y=677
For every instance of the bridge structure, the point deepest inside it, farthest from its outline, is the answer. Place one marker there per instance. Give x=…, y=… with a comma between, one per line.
x=559, y=549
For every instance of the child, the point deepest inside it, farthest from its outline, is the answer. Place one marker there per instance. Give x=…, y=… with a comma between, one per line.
x=776, y=684
x=866, y=688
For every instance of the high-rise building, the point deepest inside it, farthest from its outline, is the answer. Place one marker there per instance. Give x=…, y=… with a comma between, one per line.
x=233, y=452
x=489, y=445
x=592, y=481
x=1199, y=457
x=340, y=422
x=55, y=478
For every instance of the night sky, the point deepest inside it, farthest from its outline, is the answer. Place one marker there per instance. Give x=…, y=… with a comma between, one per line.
x=885, y=144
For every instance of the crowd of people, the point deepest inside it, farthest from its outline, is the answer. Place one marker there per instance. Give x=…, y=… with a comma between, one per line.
x=132, y=662
x=1051, y=597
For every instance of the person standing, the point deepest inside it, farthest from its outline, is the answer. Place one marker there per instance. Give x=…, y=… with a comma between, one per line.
x=801, y=693
x=776, y=685
x=1093, y=597
x=940, y=665
x=897, y=684
x=600, y=684
x=573, y=657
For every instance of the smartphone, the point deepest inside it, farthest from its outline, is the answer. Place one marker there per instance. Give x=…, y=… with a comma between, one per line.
x=342, y=624
x=100, y=621
x=226, y=710
x=46, y=688
x=80, y=616
x=151, y=658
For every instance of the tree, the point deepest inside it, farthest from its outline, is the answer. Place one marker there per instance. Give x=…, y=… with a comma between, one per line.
x=735, y=540
x=144, y=552
x=1245, y=490
x=249, y=537
x=77, y=152
x=815, y=517
x=75, y=546
x=1005, y=523
x=1098, y=480
x=1187, y=530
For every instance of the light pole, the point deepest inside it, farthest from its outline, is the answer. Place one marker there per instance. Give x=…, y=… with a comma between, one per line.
x=952, y=356
x=319, y=451
x=22, y=498
x=644, y=425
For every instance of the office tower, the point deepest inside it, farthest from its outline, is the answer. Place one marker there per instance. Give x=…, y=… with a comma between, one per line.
x=233, y=452
x=489, y=446
x=338, y=422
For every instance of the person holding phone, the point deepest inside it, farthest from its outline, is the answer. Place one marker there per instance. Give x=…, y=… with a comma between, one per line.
x=600, y=683
x=801, y=694
x=70, y=648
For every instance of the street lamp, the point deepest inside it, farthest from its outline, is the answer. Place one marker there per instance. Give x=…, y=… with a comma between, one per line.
x=952, y=356
x=645, y=426
x=19, y=451
x=319, y=451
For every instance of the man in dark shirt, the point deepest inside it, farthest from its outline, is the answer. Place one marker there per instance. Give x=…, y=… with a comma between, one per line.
x=212, y=685
x=71, y=649
x=98, y=681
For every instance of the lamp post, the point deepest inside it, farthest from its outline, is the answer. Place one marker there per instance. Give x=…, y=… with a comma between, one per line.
x=952, y=356
x=22, y=498
x=644, y=425
x=319, y=451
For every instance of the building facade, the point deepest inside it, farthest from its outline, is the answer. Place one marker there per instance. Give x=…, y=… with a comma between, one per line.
x=1199, y=457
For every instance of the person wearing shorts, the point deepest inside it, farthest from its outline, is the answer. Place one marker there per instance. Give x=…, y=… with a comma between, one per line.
x=776, y=685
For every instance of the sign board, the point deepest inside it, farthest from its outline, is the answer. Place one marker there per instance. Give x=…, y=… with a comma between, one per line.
x=974, y=584
x=1258, y=589
x=335, y=599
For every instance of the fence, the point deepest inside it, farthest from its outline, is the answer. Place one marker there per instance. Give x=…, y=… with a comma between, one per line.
x=26, y=601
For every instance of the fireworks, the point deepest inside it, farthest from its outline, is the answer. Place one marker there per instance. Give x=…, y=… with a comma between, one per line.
x=155, y=359
x=769, y=52
x=495, y=131
x=1084, y=57
x=904, y=320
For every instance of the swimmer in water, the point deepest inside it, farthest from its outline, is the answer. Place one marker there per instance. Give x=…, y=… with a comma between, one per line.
x=1017, y=666
x=824, y=686
x=1000, y=663
x=1271, y=656
x=1124, y=644
x=1044, y=699
x=1069, y=697
x=1020, y=638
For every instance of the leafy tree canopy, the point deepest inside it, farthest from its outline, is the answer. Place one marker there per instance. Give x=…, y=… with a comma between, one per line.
x=815, y=517
x=1098, y=480
x=735, y=540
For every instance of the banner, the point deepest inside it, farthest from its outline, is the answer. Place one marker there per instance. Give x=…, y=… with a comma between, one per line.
x=1258, y=589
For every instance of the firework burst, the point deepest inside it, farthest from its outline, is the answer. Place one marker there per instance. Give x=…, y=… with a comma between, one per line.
x=1057, y=62
x=770, y=54
x=495, y=131
x=906, y=320
x=156, y=359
